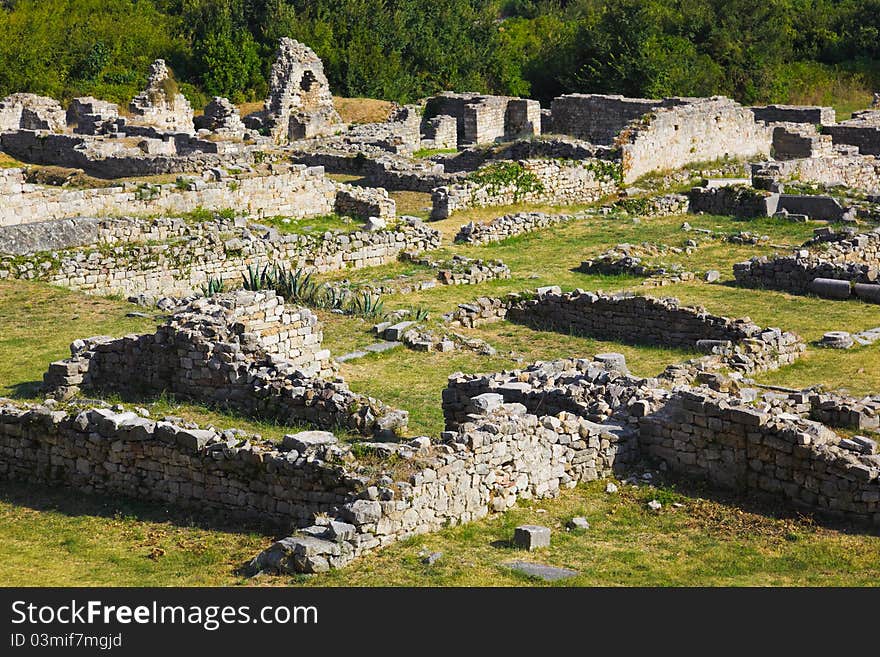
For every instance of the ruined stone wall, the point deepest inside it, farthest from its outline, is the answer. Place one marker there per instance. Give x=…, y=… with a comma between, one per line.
x=558, y=182
x=858, y=172
x=732, y=200
x=793, y=141
x=364, y=202
x=702, y=130
x=482, y=119
x=508, y=225
x=698, y=434
x=862, y=131
x=297, y=192
x=380, y=169
x=598, y=118
x=855, y=259
x=243, y=350
x=210, y=251
x=24, y=111
x=102, y=452
x=811, y=114
x=630, y=319
x=118, y=158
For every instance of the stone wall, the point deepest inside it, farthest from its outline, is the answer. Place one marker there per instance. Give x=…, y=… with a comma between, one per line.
x=30, y=112
x=107, y=156
x=220, y=250
x=862, y=130
x=810, y=114
x=242, y=350
x=507, y=226
x=598, y=118
x=698, y=434
x=702, y=130
x=559, y=182
x=740, y=344
x=484, y=119
x=733, y=200
x=296, y=191
x=858, y=172
x=379, y=169
x=854, y=259
x=159, y=105
x=364, y=202
x=793, y=141
x=299, y=105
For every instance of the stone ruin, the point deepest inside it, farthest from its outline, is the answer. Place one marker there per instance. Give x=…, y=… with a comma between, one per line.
x=299, y=105
x=31, y=112
x=161, y=105
x=222, y=118
x=831, y=265
x=241, y=350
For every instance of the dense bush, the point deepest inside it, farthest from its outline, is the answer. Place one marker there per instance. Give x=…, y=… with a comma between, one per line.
x=753, y=50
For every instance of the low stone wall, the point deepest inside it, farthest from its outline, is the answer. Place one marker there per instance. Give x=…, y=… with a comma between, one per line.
x=858, y=172
x=499, y=457
x=379, y=168
x=220, y=249
x=558, y=182
x=702, y=130
x=364, y=202
x=698, y=434
x=733, y=200
x=855, y=259
x=737, y=343
x=106, y=157
x=296, y=192
x=243, y=350
x=862, y=131
x=508, y=225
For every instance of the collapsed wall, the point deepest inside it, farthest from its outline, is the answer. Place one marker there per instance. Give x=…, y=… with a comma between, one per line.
x=294, y=191
x=243, y=350
x=168, y=256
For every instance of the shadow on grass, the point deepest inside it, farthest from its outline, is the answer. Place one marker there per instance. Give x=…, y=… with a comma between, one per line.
x=72, y=503
x=26, y=390
x=768, y=506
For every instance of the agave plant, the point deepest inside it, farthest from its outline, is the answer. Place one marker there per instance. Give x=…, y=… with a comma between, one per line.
x=256, y=280
x=369, y=305
x=333, y=298
x=212, y=287
x=418, y=314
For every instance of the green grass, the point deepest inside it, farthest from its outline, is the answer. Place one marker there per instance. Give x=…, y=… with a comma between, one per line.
x=428, y=152
x=52, y=538
x=312, y=225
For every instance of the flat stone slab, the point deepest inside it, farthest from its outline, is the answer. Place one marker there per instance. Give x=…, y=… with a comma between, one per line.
x=540, y=571
x=351, y=356
x=379, y=347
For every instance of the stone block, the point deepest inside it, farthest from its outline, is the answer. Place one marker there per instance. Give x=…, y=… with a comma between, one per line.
x=531, y=537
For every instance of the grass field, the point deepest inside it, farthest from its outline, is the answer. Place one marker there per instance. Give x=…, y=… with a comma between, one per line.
x=51, y=537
